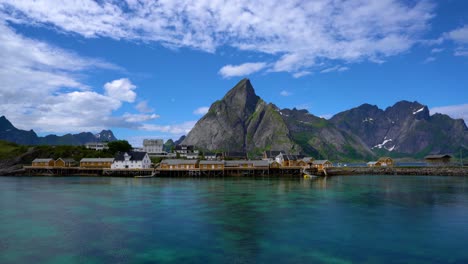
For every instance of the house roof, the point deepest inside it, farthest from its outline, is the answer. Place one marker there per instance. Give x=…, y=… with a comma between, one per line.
x=97, y=160
x=66, y=159
x=42, y=160
x=211, y=162
x=442, y=156
x=318, y=162
x=179, y=162
x=308, y=159
x=273, y=153
x=134, y=155
x=260, y=163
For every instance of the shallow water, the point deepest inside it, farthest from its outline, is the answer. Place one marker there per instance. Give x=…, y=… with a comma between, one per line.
x=357, y=219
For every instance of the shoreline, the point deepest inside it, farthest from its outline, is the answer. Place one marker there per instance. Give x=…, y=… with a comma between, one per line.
x=335, y=171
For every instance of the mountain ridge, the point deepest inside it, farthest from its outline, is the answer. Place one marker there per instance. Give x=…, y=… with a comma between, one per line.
x=242, y=121
x=10, y=133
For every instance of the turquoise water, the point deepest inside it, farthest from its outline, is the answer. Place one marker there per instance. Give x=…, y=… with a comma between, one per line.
x=358, y=219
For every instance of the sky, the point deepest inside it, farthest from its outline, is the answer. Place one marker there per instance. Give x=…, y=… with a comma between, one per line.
x=151, y=69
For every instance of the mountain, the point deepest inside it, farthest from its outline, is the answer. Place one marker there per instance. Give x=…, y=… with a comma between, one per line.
x=404, y=128
x=242, y=121
x=10, y=133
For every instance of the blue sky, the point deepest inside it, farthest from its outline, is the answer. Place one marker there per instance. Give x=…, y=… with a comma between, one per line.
x=148, y=69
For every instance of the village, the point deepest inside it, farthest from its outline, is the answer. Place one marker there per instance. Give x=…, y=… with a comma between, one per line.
x=186, y=160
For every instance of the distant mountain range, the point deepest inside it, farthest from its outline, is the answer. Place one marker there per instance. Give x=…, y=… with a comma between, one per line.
x=10, y=133
x=242, y=121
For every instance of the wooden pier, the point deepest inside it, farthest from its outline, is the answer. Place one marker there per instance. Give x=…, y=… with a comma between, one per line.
x=192, y=172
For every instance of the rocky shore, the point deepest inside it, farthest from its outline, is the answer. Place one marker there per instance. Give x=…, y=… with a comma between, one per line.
x=435, y=171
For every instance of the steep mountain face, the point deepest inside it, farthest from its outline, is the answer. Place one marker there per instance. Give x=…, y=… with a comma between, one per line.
x=406, y=127
x=10, y=133
x=241, y=122
x=320, y=138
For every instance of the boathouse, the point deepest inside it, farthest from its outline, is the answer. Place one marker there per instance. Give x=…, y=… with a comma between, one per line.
x=178, y=164
x=271, y=155
x=211, y=165
x=43, y=163
x=96, y=162
x=64, y=163
x=438, y=160
x=386, y=161
x=373, y=164
x=321, y=164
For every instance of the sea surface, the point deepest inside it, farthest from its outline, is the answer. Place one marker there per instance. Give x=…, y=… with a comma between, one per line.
x=350, y=219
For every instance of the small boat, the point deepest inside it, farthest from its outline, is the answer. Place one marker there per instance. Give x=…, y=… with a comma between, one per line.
x=307, y=175
x=145, y=176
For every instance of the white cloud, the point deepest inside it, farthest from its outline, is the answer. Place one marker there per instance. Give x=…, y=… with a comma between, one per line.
x=295, y=33
x=461, y=52
x=301, y=74
x=176, y=129
x=285, y=93
x=454, y=111
x=437, y=50
x=121, y=89
x=459, y=35
x=335, y=69
x=429, y=59
x=138, y=118
x=241, y=70
x=143, y=107
x=201, y=110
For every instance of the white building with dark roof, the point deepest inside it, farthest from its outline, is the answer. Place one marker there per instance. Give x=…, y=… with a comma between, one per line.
x=132, y=160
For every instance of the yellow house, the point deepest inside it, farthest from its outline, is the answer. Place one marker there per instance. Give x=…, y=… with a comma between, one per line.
x=105, y=163
x=62, y=163
x=211, y=165
x=43, y=163
x=178, y=164
x=275, y=165
x=386, y=161
x=374, y=164
x=321, y=164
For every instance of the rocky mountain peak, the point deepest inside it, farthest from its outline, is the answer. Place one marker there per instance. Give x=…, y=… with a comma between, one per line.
x=405, y=109
x=242, y=97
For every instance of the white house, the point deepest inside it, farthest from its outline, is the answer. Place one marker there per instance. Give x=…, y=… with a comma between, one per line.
x=132, y=160
x=97, y=145
x=153, y=146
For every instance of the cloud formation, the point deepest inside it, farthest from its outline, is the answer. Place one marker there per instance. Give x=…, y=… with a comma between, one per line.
x=285, y=93
x=121, y=89
x=201, y=110
x=242, y=69
x=454, y=111
x=176, y=129
x=297, y=34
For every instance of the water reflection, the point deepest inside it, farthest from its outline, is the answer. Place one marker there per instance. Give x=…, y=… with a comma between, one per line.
x=233, y=220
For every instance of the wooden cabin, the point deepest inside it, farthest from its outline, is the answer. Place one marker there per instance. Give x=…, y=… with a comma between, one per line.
x=438, y=160
x=178, y=164
x=43, y=163
x=104, y=163
x=374, y=164
x=386, y=162
x=275, y=165
x=238, y=164
x=301, y=163
x=211, y=165
x=287, y=160
x=64, y=163
x=322, y=164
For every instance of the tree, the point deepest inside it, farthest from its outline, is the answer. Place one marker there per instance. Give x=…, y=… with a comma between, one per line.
x=119, y=146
